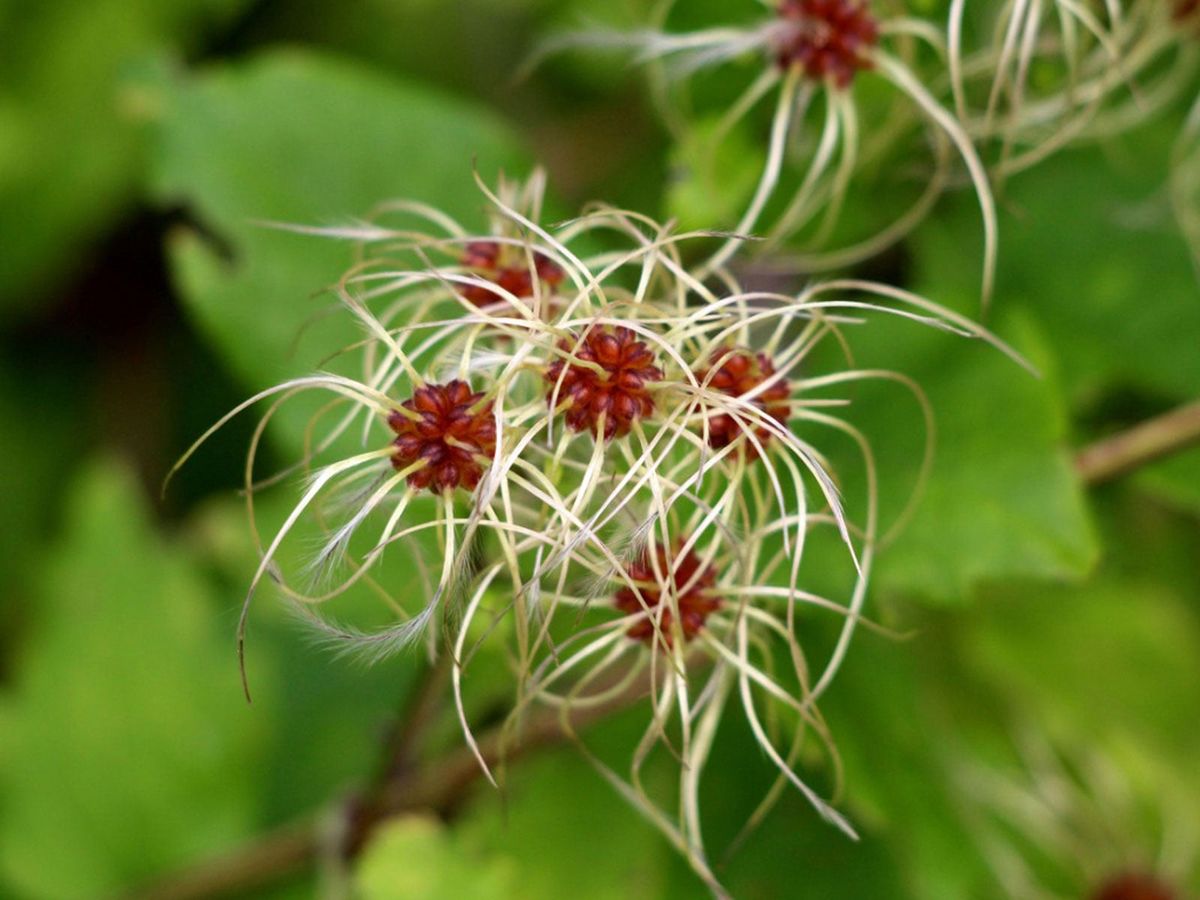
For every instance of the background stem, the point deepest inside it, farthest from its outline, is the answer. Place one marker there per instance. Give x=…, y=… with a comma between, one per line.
x=1140, y=445
x=439, y=788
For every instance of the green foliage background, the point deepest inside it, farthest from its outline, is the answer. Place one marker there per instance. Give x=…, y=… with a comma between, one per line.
x=140, y=143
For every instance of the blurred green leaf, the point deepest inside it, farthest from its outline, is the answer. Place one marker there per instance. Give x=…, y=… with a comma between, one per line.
x=326, y=716
x=293, y=137
x=791, y=839
x=70, y=151
x=1117, y=656
x=568, y=833
x=38, y=445
x=712, y=180
x=1175, y=479
x=884, y=714
x=417, y=859
x=1089, y=243
x=1115, y=659
x=1002, y=500
x=122, y=744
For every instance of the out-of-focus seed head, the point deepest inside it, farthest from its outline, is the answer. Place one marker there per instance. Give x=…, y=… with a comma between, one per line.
x=1134, y=886
x=736, y=373
x=1186, y=10
x=685, y=579
x=507, y=267
x=827, y=38
x=618, y=393
x=450, y=429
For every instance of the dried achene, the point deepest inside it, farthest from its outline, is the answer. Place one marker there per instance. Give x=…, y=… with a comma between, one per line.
x=508, y=268
x=1134, y=886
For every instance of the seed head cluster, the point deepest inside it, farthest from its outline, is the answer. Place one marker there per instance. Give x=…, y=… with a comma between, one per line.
x=651, y=452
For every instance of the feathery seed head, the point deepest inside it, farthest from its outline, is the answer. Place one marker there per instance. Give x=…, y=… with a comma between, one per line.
x=508, y=268
x=826, y=38
x=1134, y=886
x=681, y=584
x=737, y=373
x=1082, y=819
x=448, y=428
x=1085, y=73
x=814, y=49
x=606, y=381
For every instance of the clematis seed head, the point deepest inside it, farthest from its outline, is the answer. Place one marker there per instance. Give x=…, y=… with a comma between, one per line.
x=688, y=581
x=738, y=372
x=827, y=38
x=447, y=427
x=508, y=268
x=617, y=393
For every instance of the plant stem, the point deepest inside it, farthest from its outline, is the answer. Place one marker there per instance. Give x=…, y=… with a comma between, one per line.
x=438, y=788
x=1140, y=445
x=420, y=709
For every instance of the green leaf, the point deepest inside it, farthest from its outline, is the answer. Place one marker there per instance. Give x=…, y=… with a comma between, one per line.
x=70, y=152
x=883, y=714
x=560, y=811
x=1113, y=661
x=293, y=137
x=122, y=743
x=713, y=180
x=569, y=833
x=792, y=838
x=1089, y=243
x=1002, y=500
x=417, y=857
x=326, y=716
x=1175, y=479
x=38, y=448
x=1118, y=657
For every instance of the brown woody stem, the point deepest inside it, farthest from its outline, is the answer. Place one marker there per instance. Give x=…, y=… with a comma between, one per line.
x=1140, y=445
x=438, y=788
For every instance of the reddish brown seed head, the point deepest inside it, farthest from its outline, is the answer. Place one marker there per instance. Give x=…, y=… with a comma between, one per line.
x=452, y=429
x=827, y=38
x=1134, y=886
x=1186, y=10
x=685, y=578
x=507, y=267
x=619, y=393
x=738, y=372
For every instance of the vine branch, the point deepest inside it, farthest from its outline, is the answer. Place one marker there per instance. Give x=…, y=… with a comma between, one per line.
x=1143, y=444
x=439, y=787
